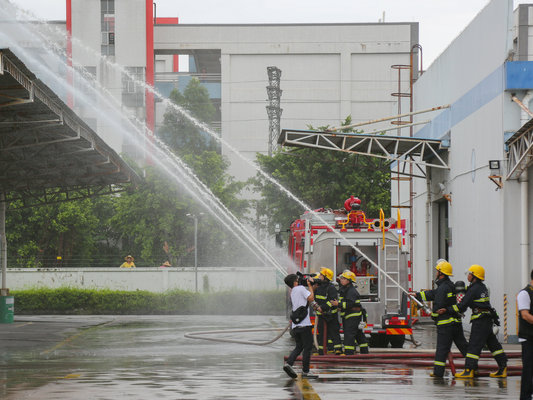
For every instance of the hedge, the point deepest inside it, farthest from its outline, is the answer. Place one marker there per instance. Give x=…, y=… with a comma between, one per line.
x=140, y=302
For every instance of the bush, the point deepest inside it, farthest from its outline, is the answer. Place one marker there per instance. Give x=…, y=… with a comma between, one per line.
x=112, y=302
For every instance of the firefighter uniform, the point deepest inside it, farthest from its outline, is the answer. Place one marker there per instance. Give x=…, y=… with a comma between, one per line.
x=328, y=316
x=477, y=298
x=449, y=326
x=352, y=313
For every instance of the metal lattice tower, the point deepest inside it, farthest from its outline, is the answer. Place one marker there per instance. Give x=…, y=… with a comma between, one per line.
x=273, y=109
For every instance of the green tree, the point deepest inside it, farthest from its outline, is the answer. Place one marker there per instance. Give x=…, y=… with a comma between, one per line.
x=182, y=135
x=321, y=178
x=73, y=230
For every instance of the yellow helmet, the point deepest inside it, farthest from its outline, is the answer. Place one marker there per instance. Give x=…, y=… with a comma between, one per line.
x=478, y=271
x=445, y=267
x=347, y=274
x=327, y=273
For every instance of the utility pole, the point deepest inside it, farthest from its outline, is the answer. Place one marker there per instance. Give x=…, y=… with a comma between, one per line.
x=273, y=109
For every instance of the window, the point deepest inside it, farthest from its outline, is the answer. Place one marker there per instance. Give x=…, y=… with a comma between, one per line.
x=107, y=19
x=133, y=87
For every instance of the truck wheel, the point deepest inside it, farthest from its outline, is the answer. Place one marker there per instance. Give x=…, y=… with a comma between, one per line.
x=378, y=340
x=396, y=341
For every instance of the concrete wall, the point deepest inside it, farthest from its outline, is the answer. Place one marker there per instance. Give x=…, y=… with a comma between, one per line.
x=484, y=221
x=329, y=71
x=151, y=279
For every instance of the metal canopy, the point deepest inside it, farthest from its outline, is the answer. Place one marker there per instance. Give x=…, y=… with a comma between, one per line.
x=520, y=150
x=421, y=153
x=46, y=150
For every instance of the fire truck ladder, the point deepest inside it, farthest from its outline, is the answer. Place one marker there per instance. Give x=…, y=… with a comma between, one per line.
x=391, y=261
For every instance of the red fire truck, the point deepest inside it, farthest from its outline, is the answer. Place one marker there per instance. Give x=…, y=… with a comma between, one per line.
x=329, y=238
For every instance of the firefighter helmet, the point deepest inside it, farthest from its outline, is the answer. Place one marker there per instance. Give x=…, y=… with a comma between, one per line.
x=445, y=267
x=478, y=271
x=347, y=274
x=327, y=273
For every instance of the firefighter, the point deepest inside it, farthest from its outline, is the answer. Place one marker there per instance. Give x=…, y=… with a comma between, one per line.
x=445, y=315
x=483, y=317
x=352, y=314
x=326, y=297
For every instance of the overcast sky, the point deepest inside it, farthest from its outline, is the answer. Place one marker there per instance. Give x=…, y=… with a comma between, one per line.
x=440, y=20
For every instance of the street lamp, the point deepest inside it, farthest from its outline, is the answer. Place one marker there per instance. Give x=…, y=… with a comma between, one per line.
x=195, y=218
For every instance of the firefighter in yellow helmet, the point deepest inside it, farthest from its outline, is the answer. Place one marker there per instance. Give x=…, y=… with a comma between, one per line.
x=353, y=315
x=327, y=299
x=482, y=320
x=446, y=316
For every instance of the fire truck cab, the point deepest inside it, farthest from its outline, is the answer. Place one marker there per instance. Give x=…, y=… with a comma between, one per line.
x=326, y=238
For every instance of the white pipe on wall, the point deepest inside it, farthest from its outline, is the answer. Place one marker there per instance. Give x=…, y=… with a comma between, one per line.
x=524, y=200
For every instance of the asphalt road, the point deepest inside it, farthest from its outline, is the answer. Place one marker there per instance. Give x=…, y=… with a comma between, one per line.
x=148, y=357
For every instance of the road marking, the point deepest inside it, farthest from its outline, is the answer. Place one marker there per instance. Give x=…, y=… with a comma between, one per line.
x=306, y=390
x=24, y=324
x=70, y=376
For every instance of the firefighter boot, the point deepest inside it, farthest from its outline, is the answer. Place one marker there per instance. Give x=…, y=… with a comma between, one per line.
x=501, y=373
x=466, y=374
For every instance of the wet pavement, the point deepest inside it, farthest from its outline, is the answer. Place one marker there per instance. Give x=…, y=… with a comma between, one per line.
x=148, y=357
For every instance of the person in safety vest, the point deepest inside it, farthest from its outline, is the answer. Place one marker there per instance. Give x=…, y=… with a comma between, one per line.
x=353, y=315
x=326, y=297
x=524, y=300
x=445, y=315
x=483, y=317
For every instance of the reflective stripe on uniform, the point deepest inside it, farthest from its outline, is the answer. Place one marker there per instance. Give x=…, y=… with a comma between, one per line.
x=363, y=345
x=482, y=300
x=440, y=363
x=472, y=356
x=423, y=296
x=450, y=294
x=357, y=314
x=447, y=321
x=455, y=308
x=320, y=297
x=349, y=347
x=497, y=352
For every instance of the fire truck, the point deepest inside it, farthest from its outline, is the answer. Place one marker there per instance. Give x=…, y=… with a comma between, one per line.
x=329, y=238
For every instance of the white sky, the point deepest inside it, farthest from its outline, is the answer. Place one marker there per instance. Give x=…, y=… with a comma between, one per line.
x=440, y=20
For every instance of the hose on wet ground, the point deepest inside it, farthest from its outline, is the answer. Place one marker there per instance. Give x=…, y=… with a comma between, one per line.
x=200, y=335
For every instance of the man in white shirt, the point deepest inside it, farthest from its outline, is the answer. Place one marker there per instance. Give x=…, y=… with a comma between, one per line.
x=524, y=302
x=302, y=331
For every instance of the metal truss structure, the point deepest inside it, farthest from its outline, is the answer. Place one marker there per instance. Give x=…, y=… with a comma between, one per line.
x=520, y=150
x=47, y=153
x=404, y=151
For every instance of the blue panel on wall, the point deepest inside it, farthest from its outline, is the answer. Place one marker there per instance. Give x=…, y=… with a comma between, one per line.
x=518, y=75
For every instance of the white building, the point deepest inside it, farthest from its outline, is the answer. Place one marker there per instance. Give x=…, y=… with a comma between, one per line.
x=328, y=71
x=462, y=213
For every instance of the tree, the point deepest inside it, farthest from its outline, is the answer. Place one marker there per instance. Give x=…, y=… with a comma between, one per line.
x=178, y=131
x=37, y=236
x=321, y=178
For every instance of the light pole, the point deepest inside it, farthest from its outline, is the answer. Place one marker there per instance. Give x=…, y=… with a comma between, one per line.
x=195, y=218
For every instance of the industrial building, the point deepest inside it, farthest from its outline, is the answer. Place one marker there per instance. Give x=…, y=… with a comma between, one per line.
x=477, y=211
x=326, y=71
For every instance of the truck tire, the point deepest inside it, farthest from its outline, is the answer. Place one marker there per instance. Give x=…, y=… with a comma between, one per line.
x=396, y=341
x=378, y=340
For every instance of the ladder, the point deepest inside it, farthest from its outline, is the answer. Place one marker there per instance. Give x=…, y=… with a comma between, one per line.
x=391, y=262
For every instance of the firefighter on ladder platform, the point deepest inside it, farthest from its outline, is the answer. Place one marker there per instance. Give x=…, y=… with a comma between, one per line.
x=483, y=317
x=352, y=314
x=446, y=316
x=327, y=299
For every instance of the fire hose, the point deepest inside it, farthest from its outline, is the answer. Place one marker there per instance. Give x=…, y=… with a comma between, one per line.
x=200, y=335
